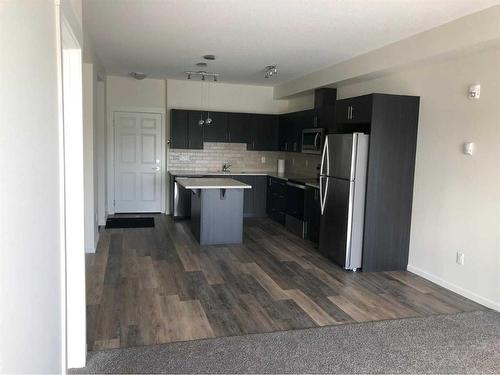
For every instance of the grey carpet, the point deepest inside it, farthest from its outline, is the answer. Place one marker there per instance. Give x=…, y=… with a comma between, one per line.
x=461, y=343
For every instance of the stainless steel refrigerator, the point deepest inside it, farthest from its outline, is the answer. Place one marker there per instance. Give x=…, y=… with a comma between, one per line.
x=342, y=196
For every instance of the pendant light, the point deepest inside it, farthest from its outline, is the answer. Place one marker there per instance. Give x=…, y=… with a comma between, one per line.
x=201, y=122
x=208, y=121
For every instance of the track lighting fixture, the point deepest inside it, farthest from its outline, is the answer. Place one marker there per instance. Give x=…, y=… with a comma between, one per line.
x=271, y=70
x=203, y=74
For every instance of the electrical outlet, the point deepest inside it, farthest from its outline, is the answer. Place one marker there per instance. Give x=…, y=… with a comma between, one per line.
x=460, y=258
x=263, y=159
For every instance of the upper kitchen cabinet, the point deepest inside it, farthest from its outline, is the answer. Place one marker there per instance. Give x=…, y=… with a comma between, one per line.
x=179, y=129
x=238, y=127
x=357, y=110
x=185, y=132
x=291, y=126
x=325, y=101
x=286, y=132
x=195, y=130
x=264, y=133
x=217, y=130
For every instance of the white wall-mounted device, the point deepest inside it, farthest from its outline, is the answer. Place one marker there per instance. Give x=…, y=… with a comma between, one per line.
x=469, y=148
x=474, y=91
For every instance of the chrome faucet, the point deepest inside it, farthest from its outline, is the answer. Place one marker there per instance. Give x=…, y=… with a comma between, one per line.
x=226, y=167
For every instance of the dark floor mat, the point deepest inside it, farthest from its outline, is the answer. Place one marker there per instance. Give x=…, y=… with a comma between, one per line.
x=130, y=222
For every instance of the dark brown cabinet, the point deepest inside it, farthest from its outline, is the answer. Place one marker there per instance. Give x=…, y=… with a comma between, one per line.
x=179, y=129
x=312, y=213
x=260, y=132
x=276, y=199
x=195, y=130
x=291, y=126
x=216, y=131
x=356, y=110
x=264, y=133
x=254, y=199
x=238, y=127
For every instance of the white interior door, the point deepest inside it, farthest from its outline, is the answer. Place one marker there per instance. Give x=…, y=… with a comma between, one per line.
x=137, y=162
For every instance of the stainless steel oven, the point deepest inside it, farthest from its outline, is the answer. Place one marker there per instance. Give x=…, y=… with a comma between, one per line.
x=312, y=140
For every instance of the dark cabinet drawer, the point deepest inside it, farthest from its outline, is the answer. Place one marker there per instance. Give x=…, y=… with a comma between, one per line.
x=295, y=200
x=276, y=199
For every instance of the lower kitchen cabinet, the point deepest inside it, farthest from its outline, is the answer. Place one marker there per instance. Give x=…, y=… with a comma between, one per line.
x=312, y=213
x=254, y=199
x=276, y=199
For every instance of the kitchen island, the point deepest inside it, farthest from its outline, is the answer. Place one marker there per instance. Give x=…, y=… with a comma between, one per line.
x=216, y=209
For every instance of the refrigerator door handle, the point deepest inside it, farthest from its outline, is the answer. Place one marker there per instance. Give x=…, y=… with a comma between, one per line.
x=326, y=153
x=321, y=195
x=327, y=162
x=323, y=157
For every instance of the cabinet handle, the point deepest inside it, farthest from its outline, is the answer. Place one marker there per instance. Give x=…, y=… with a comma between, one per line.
x=352, y=110
x=348, y=112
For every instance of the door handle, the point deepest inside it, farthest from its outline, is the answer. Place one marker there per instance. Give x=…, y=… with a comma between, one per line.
x=322, y=196
x=325, y=148
x=321, y=193
x=155, y=168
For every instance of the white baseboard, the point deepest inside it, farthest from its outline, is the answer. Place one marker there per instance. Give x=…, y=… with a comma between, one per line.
x=455, y=288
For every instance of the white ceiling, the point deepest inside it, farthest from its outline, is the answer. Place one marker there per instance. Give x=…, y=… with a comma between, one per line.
x=163, y=38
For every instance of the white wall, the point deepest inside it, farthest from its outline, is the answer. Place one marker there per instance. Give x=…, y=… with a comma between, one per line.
x=129, y=92
x=101, y=139
x=89, y=156
x=31, y=336
x=186, y=94
x=456, y=204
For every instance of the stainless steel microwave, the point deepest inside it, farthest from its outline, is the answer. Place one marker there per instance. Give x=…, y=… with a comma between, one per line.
x=312, y=140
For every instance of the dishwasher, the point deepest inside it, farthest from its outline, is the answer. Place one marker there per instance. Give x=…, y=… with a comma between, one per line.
x=181, y=200
x=295, y=201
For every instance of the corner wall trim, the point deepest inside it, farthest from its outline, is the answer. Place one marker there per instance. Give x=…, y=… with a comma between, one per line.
x=455, y=288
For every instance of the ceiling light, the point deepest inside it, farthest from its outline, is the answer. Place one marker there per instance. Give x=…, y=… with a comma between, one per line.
x=203, y=74
x=270, y=70
x=209, y=57
x=201, y=64
x=138, y=75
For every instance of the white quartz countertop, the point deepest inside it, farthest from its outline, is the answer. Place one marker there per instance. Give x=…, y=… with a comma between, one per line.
x=212, y=183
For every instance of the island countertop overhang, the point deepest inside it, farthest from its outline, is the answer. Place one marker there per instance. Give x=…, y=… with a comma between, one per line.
x=211, y=183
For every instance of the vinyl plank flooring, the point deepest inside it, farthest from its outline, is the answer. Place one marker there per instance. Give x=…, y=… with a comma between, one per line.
x=157, y=285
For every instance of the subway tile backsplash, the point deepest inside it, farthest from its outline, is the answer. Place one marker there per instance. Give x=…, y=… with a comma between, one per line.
x=214, y=155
